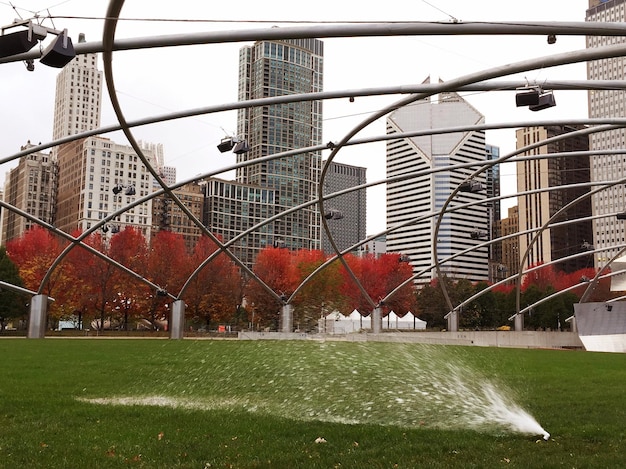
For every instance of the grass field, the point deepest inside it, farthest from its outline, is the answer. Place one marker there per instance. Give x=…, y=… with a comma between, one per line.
x=99, y=403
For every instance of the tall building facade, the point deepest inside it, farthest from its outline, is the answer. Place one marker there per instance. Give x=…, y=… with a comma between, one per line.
x=375, y=247
x=30, y=187
x=276, y=68
x=98, y=177
x=608, y=231
x=78, y=99
x=509, y=227
x=231, y=208
x=492, y=190
x=348, y=212
x=535, y=210
x=157, y=154
x=166, y=215
x=168, y=174
x=418, y=191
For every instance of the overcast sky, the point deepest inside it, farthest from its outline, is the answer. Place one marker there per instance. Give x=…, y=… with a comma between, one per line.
x=160, y=81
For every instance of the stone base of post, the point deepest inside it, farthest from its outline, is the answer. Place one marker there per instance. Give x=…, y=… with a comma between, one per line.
x=453, y=321
x=286, y=318
x=177, y=320
x=37, y=318
x=519, y=322
x=377, y=320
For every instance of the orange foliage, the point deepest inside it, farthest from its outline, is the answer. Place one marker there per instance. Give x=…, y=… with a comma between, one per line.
x=543, y=277
x=275, y=268
x=34, y=254
x=168, y=261
x=216, y=291
x=379, y=276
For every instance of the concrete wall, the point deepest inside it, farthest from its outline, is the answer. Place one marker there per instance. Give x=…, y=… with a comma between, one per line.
x=513, y=339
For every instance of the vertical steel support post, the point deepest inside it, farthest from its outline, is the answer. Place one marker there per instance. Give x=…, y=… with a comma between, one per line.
x=177, y=320
x=37, y=318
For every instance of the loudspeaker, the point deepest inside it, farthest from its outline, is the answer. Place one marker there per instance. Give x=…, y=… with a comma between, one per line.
x=16, y=43
x=58, y=54
x=529, y=98
x=226, y=145
x=241, y=147
x=546, y=100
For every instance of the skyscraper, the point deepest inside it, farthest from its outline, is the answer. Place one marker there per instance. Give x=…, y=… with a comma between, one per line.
x=276, y=68
x=231, y=208
x=510, y=246
x=497, y=270
x=537, y=209
x=167, y=215
x=423, y=193
x=76, y=109
x=78, y=96
x=349, y=225
x=30, y=187
x=608, y=231
x=98, y=177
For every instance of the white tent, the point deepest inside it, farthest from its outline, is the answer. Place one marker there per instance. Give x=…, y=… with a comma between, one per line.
x=390, y=321
x=337, y=323
x=416, y=323
x=407, y=322
x=336, y=316
x=366, y=322
x=355, y=315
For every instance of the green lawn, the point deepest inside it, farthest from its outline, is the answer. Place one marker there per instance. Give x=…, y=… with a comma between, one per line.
x=95, y=403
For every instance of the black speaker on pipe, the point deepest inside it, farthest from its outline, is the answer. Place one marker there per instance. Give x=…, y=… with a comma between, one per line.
x=527, y=98
x=17, y=43
x=546, y=100
x=59, y=53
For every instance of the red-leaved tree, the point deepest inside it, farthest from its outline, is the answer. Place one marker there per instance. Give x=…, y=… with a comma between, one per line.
x=34, y=254
x=216, y=292
x=275, y=267
x=379, y=276
x=168, y=266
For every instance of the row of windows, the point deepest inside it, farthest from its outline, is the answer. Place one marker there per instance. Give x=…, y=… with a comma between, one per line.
x=127, y=218
x=284, y=52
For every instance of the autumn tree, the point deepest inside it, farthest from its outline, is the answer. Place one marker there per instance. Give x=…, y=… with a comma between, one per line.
x=275, y=267
x=128, y=248
x=168, y=266
x=216, y=292
x=78, y=303
x=392, y=271
x=99, y=277
x=431, y=304
x=320, y=293
x=504, y=297
x=34, y=253
x=543, y=276
x=349, y=289
x=379, y=276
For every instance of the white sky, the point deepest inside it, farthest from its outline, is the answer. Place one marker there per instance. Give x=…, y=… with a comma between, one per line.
x=160, y=81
